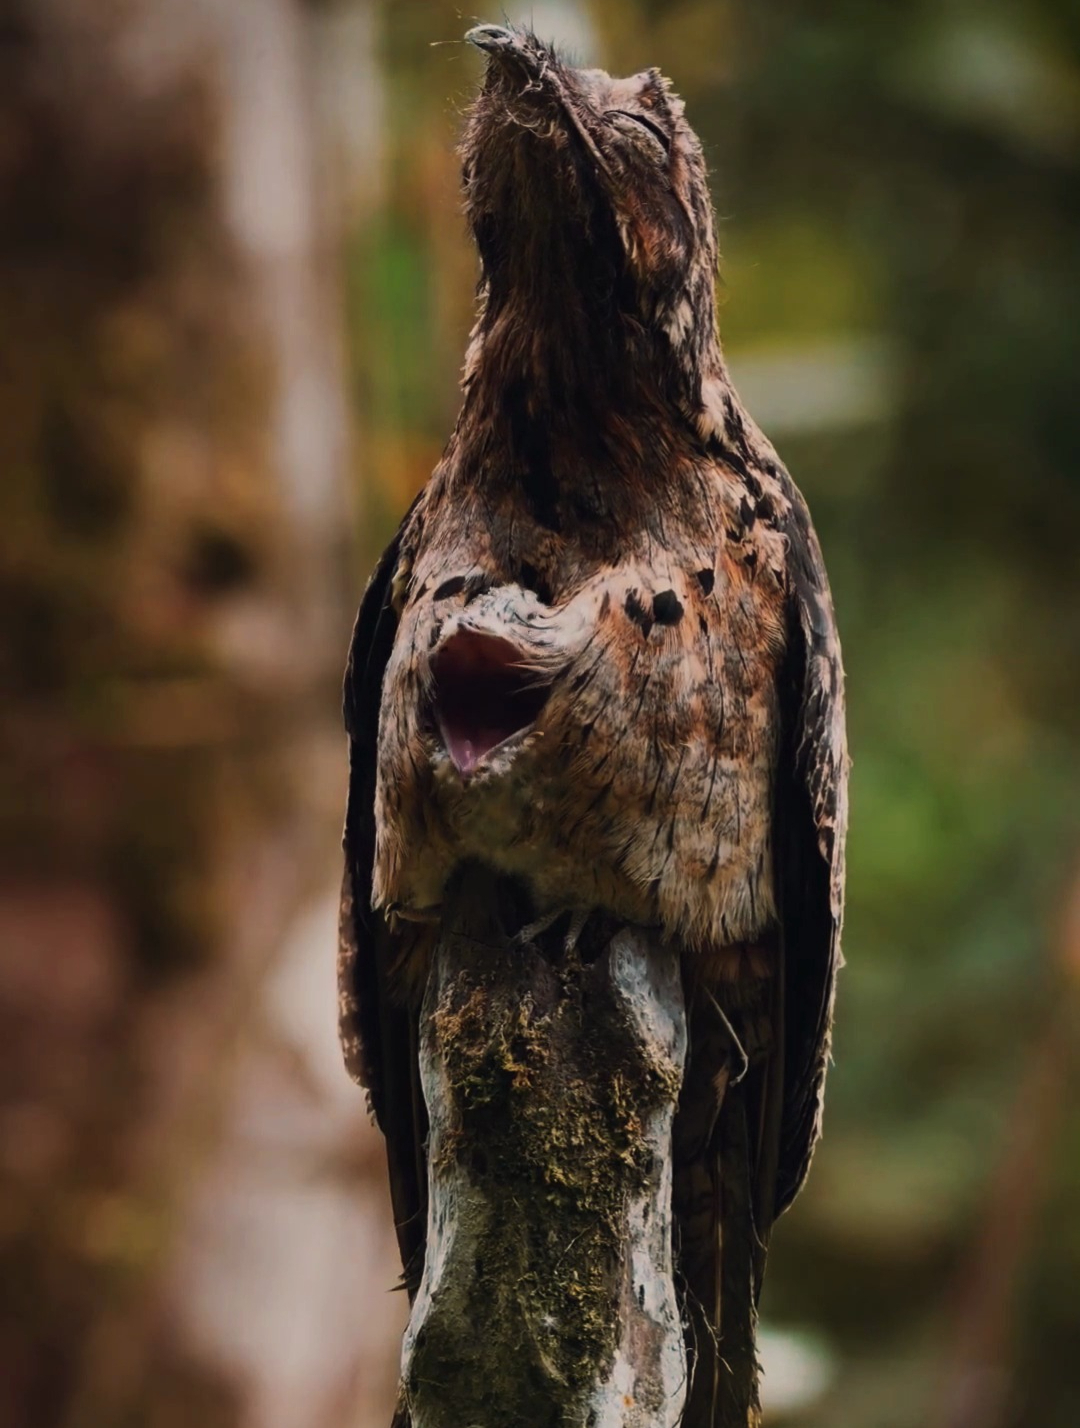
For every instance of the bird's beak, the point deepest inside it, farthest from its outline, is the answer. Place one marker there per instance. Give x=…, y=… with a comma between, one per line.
x=509, y=50
x=505, y=45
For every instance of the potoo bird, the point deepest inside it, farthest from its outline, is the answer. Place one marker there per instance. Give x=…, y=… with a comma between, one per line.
x=599, y=656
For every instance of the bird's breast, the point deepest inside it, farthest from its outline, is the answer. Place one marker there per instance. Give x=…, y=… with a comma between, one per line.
x=613, y=750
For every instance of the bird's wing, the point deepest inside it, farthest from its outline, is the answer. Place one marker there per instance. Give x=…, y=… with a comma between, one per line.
x=378, y=1028
x=743, y=1142
x=811, y=825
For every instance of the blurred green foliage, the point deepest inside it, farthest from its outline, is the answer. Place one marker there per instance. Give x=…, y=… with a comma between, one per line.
x=902, y=178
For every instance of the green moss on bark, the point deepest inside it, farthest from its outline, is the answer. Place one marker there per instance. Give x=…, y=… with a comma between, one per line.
x=550, y=1090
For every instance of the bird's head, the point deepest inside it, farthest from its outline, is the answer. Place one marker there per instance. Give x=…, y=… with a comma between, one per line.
x=589, y=202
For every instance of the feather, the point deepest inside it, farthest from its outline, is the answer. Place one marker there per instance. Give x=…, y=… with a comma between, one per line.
x=377, y=1026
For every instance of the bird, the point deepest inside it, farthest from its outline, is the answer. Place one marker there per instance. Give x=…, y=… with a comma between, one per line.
x=600, y=657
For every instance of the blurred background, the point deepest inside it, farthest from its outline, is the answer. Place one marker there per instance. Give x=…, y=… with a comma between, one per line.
x=234, y=293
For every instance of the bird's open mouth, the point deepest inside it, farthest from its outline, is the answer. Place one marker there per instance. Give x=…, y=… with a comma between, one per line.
x=483, y=695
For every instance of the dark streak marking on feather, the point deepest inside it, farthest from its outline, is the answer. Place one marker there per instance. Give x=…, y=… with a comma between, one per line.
x=637, y=612
x=667, y=608
x=454, y=586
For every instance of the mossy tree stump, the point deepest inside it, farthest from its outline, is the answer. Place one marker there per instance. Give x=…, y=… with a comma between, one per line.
x=551, y=1079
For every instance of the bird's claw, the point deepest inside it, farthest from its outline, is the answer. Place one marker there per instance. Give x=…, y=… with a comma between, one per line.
x=533, y=930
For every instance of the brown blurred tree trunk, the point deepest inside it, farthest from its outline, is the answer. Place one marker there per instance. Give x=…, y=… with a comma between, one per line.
x=172, y=479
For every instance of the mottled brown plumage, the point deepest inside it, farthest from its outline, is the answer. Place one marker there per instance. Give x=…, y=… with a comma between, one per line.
x=600, y=656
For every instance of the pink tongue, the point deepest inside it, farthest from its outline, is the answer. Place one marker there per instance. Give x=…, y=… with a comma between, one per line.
x=466, y=750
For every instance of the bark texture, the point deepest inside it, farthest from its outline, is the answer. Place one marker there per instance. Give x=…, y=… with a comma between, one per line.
x=551, y=1082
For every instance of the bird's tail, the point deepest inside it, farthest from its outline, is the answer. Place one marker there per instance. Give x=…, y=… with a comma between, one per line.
x=720, y=1244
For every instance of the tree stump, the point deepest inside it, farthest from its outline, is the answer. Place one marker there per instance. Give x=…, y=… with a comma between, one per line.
x=551, y=1080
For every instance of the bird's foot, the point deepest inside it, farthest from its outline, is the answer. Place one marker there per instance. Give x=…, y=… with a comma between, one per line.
x=535, y=930
x=397, y=912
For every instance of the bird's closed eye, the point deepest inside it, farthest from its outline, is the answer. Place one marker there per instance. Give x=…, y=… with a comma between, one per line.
x=646, y=123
